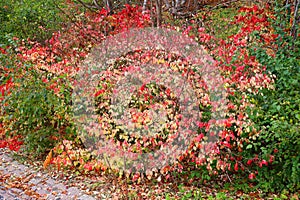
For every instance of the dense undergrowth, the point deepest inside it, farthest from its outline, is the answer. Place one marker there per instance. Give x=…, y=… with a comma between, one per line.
x=257, y=56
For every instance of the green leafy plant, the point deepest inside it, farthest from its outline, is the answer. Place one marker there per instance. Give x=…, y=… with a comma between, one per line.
x=277, y=112
x=37, y=111
x=30, y=19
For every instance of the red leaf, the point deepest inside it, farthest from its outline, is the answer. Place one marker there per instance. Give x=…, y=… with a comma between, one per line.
x=3, y=144
x=88, y=166
x=249, y=162
x=263, y=162
x=99, y=92
x=251, y=176
x=236, y=167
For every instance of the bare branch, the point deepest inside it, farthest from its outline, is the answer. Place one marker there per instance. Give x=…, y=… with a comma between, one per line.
x=90, y=7
x=167, y=4
x=108, y=5
x=295, y=21
x=96, y=4
x=145, y=5
x=224, y=3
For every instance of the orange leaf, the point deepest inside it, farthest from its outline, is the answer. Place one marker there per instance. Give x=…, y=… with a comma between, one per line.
x=47, y=160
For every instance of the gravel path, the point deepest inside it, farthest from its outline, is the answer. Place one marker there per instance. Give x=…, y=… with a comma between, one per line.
x=17, y=181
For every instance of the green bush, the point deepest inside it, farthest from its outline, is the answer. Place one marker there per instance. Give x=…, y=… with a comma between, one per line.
x=278, y=118
x=30, y=19
x=38, y=113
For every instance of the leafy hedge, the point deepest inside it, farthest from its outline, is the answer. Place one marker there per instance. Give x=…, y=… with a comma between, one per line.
x=278, y=111
x=32, y=19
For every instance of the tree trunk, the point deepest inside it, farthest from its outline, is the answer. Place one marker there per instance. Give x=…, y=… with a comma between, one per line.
x=158, y=12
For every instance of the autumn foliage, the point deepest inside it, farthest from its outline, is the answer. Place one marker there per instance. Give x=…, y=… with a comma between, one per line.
x=53, y=65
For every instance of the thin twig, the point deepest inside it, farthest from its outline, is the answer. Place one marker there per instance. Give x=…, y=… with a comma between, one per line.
x=97, y=5
x=87, y=6
x=224, y=3
x=228, y=177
